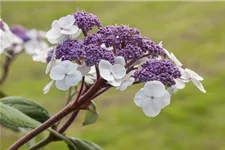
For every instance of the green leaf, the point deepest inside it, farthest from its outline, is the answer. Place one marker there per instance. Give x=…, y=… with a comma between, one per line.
x=13, y=118
x=84, y=145
x=28, y=107
x=91, y=114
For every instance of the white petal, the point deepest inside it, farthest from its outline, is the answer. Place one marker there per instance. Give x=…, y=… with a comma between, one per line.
x=151, y=111
x=92, y=70
x=47, y=87
x=53, y=33
x=184, y=74
x=72, y=69
x=180, y=84
x=84, y=69
x=68, y=65
x=76, y=34
x=105, y=68
x=199, y=85
x=31, y=46
x=172, y=89
x=115, y=82
x=194, y=74
x=167, y=53
x=90, y=79
x=118, y=71
x=66, y=22
x=55, y=24
x=154, y=89
x=106, y=48
x=162, y=101
x=61, y=85
x=175, y=60
x=125, y=84
x=57, y=72
x=120, y=60
x=141, y=99
x=160, y=44
x=73, y=79
x=72, y=30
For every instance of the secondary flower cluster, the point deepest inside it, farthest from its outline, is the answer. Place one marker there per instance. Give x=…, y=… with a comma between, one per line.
x=120, y=55
x=17, y=38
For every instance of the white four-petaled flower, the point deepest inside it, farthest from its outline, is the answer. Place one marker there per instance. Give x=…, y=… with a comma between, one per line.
x=66, y=75
x=152, y=98
x=114, y=74
x=6, y=36
x=63, y=28
x=189, y=75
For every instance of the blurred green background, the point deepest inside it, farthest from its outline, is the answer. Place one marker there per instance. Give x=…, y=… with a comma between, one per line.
x=194, y=31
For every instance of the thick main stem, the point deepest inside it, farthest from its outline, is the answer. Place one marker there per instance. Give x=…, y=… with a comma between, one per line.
x=68, y=109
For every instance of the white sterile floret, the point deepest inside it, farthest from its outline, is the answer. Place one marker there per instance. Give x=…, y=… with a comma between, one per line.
x=63, y=28
x=6, y=36
x=16, y=46
x=171, y=56
x=180, y=84
x=152, y=98
x=66, y=75
x=106, y=48
x=41, y=55
x=189, y=75
x=91, y=76
x=126, y=82
x=114, y=74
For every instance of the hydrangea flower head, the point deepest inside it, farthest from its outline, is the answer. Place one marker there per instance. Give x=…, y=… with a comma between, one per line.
x=120, y=56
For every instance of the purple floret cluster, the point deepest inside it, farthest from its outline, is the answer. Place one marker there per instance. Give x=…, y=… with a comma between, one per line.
x=86, y=21
x=70, y=50
x=20, y=32
x=160, y=70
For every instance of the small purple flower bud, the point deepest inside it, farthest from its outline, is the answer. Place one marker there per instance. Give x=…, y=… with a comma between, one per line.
x=20, y=32
x=95, y=53
x=86, y=21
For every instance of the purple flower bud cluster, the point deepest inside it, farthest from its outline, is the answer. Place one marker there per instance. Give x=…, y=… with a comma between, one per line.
x=130, y=52
x=161, y=70
x=86, y=21
x=151, y=47
x=20, y=32
x=126, y=41
x=70, y=50
x=95, y=53
x=120, y=36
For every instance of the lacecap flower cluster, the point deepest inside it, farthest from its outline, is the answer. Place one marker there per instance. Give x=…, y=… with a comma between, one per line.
x=16, y=39
x=121, y=56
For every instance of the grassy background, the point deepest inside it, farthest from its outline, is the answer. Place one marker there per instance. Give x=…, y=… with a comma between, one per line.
x=194, y=31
